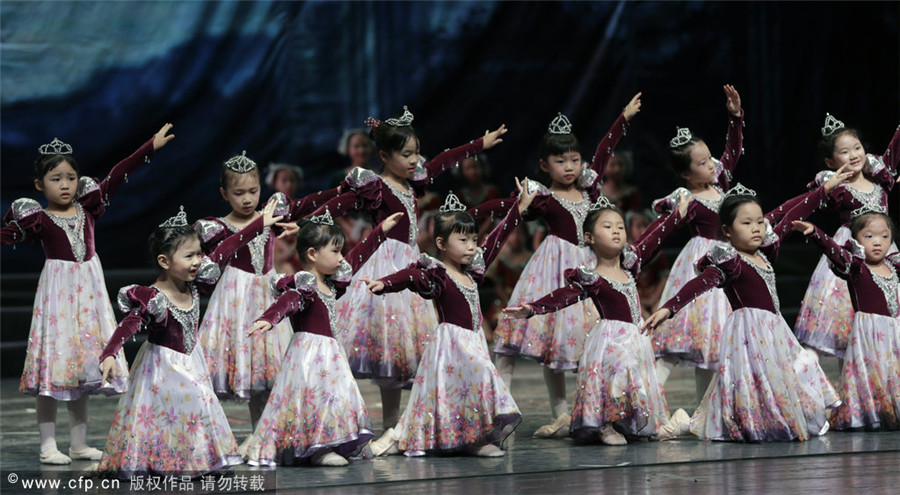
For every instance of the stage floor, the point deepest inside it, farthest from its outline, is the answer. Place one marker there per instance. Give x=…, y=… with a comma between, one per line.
x=836, y=463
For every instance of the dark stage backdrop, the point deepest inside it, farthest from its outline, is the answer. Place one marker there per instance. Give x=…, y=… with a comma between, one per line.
x=283, y=79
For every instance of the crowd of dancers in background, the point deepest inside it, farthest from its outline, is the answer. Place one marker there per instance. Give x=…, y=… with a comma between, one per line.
x=380, y=279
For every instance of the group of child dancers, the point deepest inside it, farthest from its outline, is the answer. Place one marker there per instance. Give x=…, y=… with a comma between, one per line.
x=409, y=320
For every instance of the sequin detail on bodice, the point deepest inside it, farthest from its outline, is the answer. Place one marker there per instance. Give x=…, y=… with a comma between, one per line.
x=257, y=248
x=888, y=286
x=74, y=229
x=578, y=210
x=188, y=318
x=768, y=276
x=471, y=295
x=408, y=200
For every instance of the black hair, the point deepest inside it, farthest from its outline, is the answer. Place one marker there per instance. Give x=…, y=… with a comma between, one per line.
x=316, y=235
x=826, y=144
x=46, y=163
x=391, y=138
x=728, y=209
x=555, y=144
x=591, y=219
x=166, y=240
x=680, y=156
x=453, y=222
x=860, y=222
x=228, y=175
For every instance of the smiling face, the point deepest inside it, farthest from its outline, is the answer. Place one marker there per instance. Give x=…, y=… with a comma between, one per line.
x=59, y=185
x=183, y=263
x=607, y=236
x=242, y=193
x=847, y=151
x=875, y=238
x=563, y=169
x=748, y=229
x=702, y=169
x=403, y=162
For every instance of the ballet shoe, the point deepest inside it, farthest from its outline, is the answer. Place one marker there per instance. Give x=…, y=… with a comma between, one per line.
x=55, y=457
x=329, y=459
x=85, y=454
x=386, y=445
x=679, y=424
x=610, y=436
x=561, y=423
x=486, y=450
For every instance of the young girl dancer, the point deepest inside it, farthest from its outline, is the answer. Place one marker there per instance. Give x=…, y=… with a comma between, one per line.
x=384, y=336
x=692, y=336
x=243, y=367
x=458, y=400
x=315, y=412
x=870, y=389
x=170, y=420
x=72, y=315
x=556, y=340
x=766, y=387
x=617, y=390
x=826, y=314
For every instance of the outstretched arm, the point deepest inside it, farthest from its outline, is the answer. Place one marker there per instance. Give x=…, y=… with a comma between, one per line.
x=734, y=139
x=611, y=138
x=119, y=174
x=840, y=260
x=709, y=279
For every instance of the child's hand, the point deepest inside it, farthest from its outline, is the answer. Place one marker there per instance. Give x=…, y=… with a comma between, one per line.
x=390, y=222
x=269, y=217
x=160, y=139
x=492, y=139
x=525, y=197
x=259, y=327
x=108, y=369
x=633, y=107
x=290, y=229
x=373, y=286
x=801, y=226
x=733, y=104
x=523, y=311
x=655, y=319
x=684, y=201
x=839, y=176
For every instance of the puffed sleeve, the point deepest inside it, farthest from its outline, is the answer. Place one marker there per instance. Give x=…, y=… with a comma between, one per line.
x=22, y=223
x=715, y=269
x=299, y=291
x=211, y=266
x=894, y=259
x=500, y=207
x=211, y=233
x=425, y=277
x=579, y=282
x=140, y=305
x=360, y=190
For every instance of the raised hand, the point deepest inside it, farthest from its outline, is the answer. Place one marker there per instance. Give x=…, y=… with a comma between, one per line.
x=290, y=229
x=269, y=217
x=840, y=176
x=519, y=312
x=802, y=226
x=259, y=327
x=733, y=103
x=655, y=319
x=492, y=139
x=390, y=222
x=684, y=201
x=525, y=196
x=160, y=139
x=633, y=107
x=373, y=286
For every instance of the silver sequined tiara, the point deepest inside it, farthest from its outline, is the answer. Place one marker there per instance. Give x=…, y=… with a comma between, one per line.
x=560, y=125
x=452, y=203
x=740, y=190
x=867, y=208
x=323, y=219
x=602, y=203
x=240, y=163
x=405, y=120
x=179, y=220
x=831, y=125
x=55, y=147
x=682, y=136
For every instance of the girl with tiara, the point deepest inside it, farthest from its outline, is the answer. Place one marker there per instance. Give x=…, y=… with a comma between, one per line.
x=458, y=401
x=315, y=413
x=170, y=420
x=870, y=388
x=384, y=336
x=556, y=340
x=692, y=336
x=72, y=317
x=243, y=367
x=766, y=387
x=617, y=391
x=826, y=313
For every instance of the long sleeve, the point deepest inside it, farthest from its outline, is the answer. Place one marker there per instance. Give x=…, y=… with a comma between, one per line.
x=778, y=213
x=94, y=197
x=361, y=253
x=608, y=144
x=709, y=279
x=657, y=233
x=288, y=304
x=801, y=209
x=884, y=167
x=226, y=249
x=892, y=155
x=495, y=240
x=22, y=222
x=559, y=298
x=442, y=162
x=129, y=326
x=840, y=260
x=360, y=190
x=304, y=206
x=416, y=279
x=734, y=142
x=141, y=304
